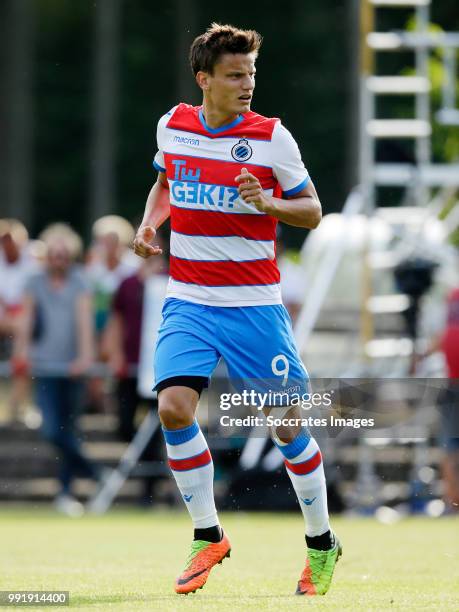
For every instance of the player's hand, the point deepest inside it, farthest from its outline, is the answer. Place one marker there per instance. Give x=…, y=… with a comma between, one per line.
x=143, y=242
x=250, y=191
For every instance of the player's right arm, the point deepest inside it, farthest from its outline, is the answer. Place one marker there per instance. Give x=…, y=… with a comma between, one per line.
x=157, y=210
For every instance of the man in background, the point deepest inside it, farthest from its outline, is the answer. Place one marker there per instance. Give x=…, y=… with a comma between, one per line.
x=447, y=342
x=109, y=263
x=122, y=342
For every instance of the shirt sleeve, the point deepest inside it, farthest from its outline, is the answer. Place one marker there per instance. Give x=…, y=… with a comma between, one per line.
x=158, y=162
x=288, y=167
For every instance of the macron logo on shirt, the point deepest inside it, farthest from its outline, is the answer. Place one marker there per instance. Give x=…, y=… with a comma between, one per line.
x=194, y=142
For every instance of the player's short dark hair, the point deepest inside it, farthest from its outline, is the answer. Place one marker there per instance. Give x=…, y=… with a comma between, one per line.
x=217, y=40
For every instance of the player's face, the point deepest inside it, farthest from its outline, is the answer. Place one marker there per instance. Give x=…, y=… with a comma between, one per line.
x=230, y=87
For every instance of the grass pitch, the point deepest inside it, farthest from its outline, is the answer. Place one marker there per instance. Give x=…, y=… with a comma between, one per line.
x=128, y=561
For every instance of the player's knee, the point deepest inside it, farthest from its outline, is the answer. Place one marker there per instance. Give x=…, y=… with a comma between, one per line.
x=175, y=410
x=285, y=435
x=288, y=427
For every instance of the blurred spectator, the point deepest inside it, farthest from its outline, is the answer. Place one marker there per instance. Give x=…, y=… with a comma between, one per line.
x=123, y=341
x=56, y=336
x=448, y=343
x=17, y=265
x=110, y=262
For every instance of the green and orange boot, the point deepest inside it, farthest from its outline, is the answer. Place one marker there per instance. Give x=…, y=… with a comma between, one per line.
x=318, y=573
x=202, y=558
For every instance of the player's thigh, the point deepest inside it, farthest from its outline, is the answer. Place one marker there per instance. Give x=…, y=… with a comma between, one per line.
x=186, y=342
x=258, y=344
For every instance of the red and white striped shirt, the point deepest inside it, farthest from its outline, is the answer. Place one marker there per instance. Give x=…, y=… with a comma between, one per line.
x=222, y=250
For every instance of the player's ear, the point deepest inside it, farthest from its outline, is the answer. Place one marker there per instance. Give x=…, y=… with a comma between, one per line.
x=202, y=79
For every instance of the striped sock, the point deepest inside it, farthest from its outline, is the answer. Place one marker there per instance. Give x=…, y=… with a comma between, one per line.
x=303, y=462
x=191, y=464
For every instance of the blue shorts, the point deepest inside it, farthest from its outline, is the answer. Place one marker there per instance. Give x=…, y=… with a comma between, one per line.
x=256, y=343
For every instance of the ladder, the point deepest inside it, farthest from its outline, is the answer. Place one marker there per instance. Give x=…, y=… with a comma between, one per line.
x=418, y=177
x=421, y=175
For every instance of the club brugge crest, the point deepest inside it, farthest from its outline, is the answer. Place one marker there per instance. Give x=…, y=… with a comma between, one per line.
x=242, y=151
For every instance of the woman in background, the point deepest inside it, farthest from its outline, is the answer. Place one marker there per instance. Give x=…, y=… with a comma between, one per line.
x=56, y=338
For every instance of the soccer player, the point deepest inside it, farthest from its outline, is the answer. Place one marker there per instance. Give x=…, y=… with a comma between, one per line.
x=227, y=175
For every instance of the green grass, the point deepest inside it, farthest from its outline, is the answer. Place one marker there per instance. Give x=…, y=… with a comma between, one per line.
x=128, y=561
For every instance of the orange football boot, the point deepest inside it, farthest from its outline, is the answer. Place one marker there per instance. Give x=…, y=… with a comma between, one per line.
x=202, y=558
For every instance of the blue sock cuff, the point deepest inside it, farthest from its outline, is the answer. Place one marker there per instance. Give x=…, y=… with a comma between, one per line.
x=180, y=436
x=295, y=447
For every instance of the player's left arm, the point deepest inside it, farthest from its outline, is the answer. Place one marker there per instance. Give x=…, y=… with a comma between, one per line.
x=301, y=210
